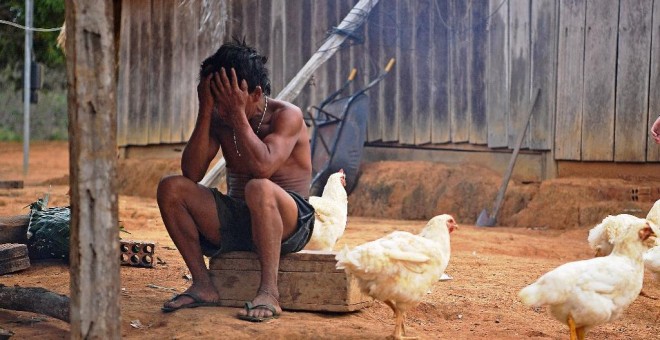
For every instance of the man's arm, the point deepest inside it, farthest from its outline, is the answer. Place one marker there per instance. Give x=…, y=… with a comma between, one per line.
x=655, y=131
x=202, y=145
x=264, y=158
x=261, y=158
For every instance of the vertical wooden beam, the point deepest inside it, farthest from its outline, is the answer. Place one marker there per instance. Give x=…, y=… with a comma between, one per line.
x=497, y=84
x=91, y=82
x=652, y=149
x=544, y=60
x=570, y=80
x=373, y=67
x=600, y=47
x=632, y=87
x=390, y=33
x=156, y=72
x=520, y=72
x=440, y=88
x=477, y=75
x=423, y=63
x=405, y=53
x=460, y=61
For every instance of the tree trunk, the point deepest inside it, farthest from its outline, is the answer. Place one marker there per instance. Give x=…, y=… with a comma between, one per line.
x=35, y=300
x=13, y=229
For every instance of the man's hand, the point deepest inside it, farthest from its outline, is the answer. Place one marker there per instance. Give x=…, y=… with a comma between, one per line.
x=231, y=98
x=655, y=131
x=204, y=95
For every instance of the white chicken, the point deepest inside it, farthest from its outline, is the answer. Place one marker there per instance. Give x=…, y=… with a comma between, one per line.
x=652, y=257
x=587, y=293
x=652, y=261
x=331, y=210
x=400, y=268
x=611, y=226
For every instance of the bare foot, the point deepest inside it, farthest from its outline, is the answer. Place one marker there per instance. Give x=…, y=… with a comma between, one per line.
x=264, y=297
x=201, y=294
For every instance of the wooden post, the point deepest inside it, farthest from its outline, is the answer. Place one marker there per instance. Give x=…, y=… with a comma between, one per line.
x=91, y=79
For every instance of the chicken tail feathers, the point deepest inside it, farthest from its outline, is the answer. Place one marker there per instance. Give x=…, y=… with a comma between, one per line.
x=530, y=296
x=342, y=258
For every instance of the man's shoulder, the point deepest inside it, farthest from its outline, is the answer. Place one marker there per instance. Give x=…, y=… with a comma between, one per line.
x=287, y=111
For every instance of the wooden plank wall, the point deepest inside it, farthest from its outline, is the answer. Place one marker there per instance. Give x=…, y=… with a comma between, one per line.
x=465, y=71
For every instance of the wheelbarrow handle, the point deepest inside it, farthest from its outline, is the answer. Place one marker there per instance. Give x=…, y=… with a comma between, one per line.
x=352, y=75
x=389, y=65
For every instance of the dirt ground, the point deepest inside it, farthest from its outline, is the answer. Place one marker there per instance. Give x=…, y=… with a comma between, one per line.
x=488, y=265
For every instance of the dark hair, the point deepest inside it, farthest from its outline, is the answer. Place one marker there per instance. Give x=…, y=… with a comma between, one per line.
x=245, y=60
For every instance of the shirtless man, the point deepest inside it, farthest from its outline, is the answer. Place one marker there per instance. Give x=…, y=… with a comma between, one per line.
x=266, y=146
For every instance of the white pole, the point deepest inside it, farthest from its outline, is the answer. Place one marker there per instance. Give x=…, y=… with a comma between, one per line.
x=26, y=85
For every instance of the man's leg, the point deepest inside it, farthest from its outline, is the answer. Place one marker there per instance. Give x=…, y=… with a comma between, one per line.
x=274, y=216
x=189, y=209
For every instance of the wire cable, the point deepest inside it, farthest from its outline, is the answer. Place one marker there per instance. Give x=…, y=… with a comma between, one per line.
x=34, y=29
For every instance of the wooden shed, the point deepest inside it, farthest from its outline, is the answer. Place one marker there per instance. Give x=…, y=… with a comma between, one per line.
x=465, y=73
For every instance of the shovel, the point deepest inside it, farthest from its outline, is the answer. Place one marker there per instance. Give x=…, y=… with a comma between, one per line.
x=484, y=220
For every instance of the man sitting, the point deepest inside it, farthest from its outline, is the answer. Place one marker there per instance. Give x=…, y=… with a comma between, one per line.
x=266, y=146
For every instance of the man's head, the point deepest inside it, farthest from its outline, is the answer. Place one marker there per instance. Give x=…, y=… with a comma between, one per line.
x=245, y=60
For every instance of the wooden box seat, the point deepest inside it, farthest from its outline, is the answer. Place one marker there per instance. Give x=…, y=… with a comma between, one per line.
x=307, y=280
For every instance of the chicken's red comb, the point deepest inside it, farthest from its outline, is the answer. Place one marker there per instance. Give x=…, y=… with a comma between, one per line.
x=341, y=170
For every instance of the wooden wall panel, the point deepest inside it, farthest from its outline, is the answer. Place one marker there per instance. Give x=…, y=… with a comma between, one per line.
x=139, y=40
x=343, y=56
x=441, y=119
x=124, y=75
x=520, y=77
x=156, y=73
x=373, y=67
x=570, y=80
x=422, y=71
x=465, y=69
x=277, y=45
x=293, y=57
x=460, y=59
x=188, y=85
x=478, y=35
x=544, y=59
x=652, y=149
x=404, y=73
x=632, y=81
x=305, y=25
x=263, y=40
x=602, y=19
x=497, y=85
x=390, y=32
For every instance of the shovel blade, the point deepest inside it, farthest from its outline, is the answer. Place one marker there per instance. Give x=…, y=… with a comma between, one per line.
x=484, y=220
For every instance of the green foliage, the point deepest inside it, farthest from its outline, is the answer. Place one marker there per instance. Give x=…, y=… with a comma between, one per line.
x=48, y=118
x=47, y=14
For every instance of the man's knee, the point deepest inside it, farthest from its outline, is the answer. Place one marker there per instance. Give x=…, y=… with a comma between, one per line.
x=171, y=187
x=260, y=192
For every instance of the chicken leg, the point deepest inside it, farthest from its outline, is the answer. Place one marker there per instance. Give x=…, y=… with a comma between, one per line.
x=580, y=333
x=571, y=326
x=399, y=324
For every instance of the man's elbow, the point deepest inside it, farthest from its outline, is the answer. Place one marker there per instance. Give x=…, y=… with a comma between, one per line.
x=261, y=171
x=194, y=176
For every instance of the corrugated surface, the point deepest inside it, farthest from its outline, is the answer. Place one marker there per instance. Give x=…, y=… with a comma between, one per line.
x=465, y=72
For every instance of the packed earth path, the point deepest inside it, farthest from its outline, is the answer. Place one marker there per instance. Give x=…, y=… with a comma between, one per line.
x=488, y=266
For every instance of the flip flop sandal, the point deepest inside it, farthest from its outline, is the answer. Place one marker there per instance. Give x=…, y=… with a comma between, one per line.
x=197, y=302
x=249, y=307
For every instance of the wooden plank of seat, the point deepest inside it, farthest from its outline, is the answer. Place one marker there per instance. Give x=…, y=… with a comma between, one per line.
x=307, y=280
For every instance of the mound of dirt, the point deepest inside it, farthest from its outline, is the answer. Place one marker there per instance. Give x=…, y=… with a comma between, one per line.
x=421, y=190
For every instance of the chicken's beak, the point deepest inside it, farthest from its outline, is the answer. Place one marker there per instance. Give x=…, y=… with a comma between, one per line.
x=453, y=226
x=598, y=253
